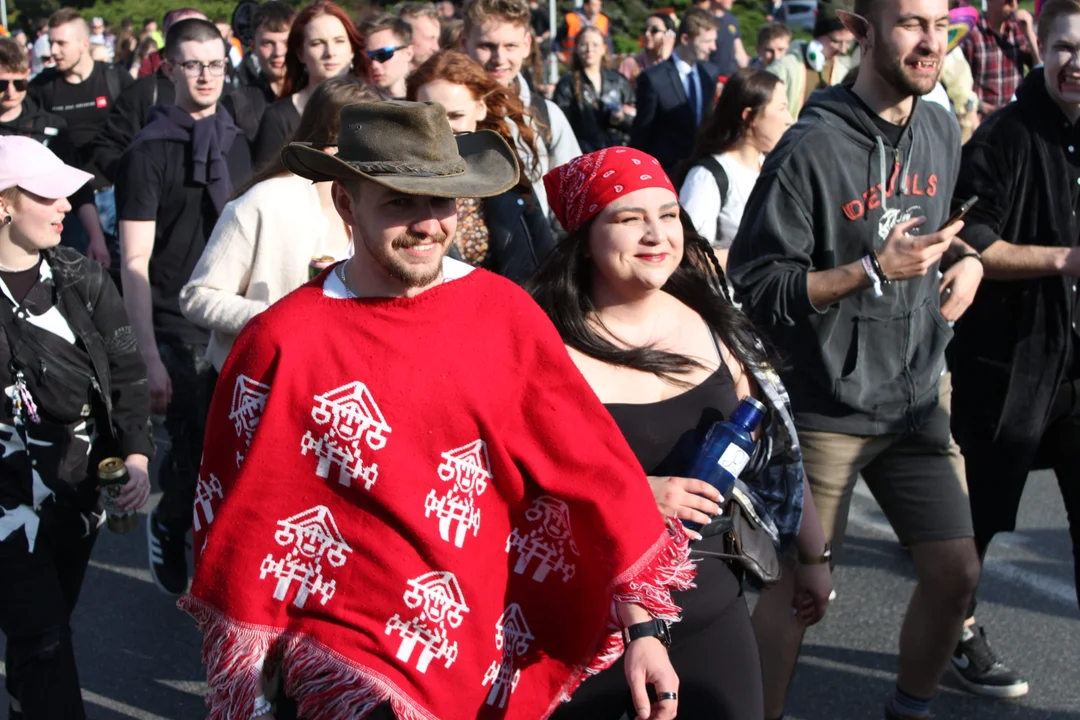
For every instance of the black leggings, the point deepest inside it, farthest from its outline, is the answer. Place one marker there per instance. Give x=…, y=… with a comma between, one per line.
x=714, y=653
x=36, y=602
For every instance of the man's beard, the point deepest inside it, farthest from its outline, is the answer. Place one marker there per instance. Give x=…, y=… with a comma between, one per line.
x=895, y=73
x=409, y=275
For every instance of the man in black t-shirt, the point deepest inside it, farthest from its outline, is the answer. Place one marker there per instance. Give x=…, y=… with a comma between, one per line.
x=80, y=91
x=21, y=115
x=167, y=205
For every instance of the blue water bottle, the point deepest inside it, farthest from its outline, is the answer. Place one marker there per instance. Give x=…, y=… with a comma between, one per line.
x=727, y=450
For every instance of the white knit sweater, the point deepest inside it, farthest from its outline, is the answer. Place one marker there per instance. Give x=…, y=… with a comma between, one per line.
x=259, y=252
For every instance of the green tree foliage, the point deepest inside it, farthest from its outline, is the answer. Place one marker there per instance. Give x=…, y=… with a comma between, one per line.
x=628, y=19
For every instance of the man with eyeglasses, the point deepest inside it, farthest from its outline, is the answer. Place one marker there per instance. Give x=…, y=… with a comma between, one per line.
x=388, y=40
x=171, y=186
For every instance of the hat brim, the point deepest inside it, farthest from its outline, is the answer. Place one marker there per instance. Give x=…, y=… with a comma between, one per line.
x=62, y=182
x=491, y=169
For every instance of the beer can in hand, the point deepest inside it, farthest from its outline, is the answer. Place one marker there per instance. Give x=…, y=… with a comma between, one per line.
x=112, y=477
x=318, y=264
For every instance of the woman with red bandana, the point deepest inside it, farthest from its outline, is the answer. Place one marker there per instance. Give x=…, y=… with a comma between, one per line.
x=641, y=304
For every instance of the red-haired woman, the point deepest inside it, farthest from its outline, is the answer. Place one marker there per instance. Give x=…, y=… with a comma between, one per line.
x=323, y=43
x=507, y=234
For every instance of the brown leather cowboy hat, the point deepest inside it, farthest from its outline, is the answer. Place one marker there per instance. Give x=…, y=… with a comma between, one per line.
x=409, y=147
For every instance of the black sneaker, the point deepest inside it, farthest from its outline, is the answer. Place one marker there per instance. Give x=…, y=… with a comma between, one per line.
x=890, y=715
x=167, y=557
x=980, y=672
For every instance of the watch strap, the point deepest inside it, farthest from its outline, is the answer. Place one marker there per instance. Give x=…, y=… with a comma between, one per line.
x=651, y=628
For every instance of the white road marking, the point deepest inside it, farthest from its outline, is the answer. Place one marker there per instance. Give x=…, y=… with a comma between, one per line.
x=140, y=573
x=191, y=687
x=109, y=704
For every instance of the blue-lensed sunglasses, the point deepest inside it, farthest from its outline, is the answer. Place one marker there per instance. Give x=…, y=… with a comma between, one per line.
x=384, y=54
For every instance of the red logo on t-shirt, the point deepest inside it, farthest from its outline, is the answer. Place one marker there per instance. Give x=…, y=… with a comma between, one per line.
x=101, y=102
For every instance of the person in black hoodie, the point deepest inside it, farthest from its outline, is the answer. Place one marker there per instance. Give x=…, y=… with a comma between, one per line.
x=508, y=233
x=1016, y=354
x=262, y=73
x=837, y=259
x=171, y=187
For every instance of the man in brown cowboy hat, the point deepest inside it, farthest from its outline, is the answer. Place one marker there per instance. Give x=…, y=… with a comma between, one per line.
x=406, y=501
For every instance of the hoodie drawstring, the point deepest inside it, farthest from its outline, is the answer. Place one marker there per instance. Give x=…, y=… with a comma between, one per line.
x=884, y=174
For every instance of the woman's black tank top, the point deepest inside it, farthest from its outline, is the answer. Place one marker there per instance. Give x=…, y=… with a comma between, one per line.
x=665, y=435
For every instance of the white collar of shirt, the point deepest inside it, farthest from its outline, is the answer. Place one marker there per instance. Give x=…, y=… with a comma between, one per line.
x=687, y=75
x=681, y=65
x=335, y=289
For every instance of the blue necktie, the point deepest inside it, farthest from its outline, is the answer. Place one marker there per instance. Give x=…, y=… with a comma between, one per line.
x=692, y=97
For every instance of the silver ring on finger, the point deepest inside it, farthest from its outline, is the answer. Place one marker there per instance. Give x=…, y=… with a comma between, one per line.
x=667, y=696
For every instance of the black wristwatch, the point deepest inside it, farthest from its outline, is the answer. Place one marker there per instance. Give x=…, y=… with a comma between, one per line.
x=653, y=628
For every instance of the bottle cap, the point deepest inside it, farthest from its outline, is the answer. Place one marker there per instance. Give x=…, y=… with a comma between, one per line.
x=749, y=414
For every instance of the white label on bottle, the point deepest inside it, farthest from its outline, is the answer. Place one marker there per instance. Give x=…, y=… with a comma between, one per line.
x=734, y=459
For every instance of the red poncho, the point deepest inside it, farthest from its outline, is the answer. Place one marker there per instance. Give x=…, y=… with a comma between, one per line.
x=417, y=500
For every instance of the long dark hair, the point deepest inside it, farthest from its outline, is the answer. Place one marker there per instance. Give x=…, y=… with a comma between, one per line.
x=726, y=128
x=319, y=125
x=563, y=288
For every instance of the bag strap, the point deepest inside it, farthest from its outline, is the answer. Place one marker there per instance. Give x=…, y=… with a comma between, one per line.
x=542, y=117
x=719, y=174
x=112, y=81
x=15, y=338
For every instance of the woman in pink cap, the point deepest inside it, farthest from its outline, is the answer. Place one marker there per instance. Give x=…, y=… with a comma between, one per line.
x=641, y=303
x=73, y=393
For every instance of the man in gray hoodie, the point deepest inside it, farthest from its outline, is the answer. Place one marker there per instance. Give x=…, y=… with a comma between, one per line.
x=837, y=260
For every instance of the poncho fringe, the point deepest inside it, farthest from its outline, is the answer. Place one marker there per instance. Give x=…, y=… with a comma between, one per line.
x=327, y=686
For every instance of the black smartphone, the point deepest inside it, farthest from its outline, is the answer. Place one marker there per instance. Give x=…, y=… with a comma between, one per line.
x=960, y=212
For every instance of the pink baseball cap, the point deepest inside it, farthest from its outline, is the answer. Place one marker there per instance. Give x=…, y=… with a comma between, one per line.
x=29, y=165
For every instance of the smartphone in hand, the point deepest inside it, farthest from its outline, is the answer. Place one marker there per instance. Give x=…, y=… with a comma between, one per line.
x=960, y=212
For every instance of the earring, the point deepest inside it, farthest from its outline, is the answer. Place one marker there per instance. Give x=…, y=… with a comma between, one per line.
x=6, y=221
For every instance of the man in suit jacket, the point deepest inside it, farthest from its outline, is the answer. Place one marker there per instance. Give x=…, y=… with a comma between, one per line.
x=675, y=96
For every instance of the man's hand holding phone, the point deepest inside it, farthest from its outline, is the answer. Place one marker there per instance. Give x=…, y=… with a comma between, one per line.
x=904, y=256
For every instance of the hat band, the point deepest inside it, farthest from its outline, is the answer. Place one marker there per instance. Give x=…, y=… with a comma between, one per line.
x=447, y=168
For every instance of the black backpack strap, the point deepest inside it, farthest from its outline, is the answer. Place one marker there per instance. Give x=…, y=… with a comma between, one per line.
x=112, y=81
x=11, y=330
x=719, y=174
x=542, y=117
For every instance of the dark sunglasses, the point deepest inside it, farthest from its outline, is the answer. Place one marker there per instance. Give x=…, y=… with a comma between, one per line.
x=384, y=54
x=655, y=30
x=20, y=85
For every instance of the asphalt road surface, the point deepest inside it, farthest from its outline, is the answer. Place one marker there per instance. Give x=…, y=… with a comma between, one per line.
x=139, y=655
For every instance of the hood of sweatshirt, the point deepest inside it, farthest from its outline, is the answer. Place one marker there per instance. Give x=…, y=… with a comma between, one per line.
x=829, y=194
